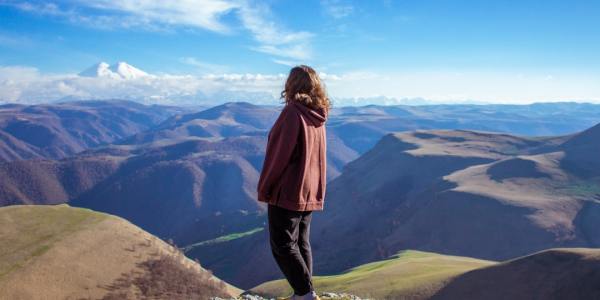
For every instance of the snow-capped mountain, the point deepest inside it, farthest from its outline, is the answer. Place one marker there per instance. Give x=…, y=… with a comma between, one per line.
x=120, y=70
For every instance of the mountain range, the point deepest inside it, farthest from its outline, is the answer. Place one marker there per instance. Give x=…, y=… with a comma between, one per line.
x=468, y=193
x=430, y=178
x=478, y=194
x=59, y=130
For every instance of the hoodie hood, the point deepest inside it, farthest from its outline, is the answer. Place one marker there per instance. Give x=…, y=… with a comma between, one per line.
x=317, y=117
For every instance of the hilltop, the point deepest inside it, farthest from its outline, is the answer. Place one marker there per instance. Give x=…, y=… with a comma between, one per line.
x=406, y=275
x=563, y=273
x=551, y=274
x=64, y=252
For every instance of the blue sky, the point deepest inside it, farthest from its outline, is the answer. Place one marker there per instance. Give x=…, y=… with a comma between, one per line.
x=441, y=50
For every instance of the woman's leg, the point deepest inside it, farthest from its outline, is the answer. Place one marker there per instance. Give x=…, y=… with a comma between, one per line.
x=284, y=231
x=304, y=240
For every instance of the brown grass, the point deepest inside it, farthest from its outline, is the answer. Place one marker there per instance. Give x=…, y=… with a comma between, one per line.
x=91, y=261
x=164, y=277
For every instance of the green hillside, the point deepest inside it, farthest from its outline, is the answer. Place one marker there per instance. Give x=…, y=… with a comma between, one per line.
x=62, y=252
x=27, y=232
x=406, y=275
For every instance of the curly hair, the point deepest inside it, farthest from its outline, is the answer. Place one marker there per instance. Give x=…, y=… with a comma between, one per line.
x=304, y=85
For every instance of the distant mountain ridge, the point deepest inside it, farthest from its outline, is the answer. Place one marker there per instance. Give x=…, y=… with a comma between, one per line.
x=59, y=130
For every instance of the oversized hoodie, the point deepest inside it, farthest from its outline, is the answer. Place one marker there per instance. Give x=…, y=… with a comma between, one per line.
x=294, y=171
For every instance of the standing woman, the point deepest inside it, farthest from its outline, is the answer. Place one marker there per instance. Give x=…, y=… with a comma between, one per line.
x=293, y=176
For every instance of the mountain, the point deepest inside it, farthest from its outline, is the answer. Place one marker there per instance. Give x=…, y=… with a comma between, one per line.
x=234, y=119
x=227, y=120
x=407, y=182
x=119, y=70
x=182, y=183
x=476, y=194
x=168, y=189
x=352, y=131
x=38, y=181
x=58, y=130
x=356, y=129
x=562, y=273
x=362, y=202
x=550, y=274
x=198, y=187
x=60, y=252
x=405, y=275
x=192, y=178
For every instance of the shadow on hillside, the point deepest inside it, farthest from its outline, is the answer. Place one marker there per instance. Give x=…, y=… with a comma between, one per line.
x=163, y=276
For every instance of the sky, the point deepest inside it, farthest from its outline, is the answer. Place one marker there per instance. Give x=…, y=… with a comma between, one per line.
x=376, y=51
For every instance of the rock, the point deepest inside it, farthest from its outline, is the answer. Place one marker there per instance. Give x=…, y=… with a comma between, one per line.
x=323, y=296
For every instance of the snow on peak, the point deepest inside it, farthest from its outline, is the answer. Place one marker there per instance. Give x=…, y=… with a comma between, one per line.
x=127, y=71
x=120, y=70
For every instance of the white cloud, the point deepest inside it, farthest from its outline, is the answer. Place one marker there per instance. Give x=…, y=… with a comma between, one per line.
x=337, y=8
x=271, y=37
x=28, y=85
x=204, y=14
x=468, y=86
x=284, y=62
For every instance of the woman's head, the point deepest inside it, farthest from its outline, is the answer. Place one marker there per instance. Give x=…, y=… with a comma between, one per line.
x=304, y=85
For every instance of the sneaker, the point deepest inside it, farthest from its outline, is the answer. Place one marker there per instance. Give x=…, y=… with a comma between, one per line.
x=309, y=296
x=315, y=296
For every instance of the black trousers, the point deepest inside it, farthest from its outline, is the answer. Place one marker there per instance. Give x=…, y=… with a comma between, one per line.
x=289, y=236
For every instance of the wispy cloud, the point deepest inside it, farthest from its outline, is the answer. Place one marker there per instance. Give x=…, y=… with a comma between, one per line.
x=271, y=37
x=284, y=62
x=205, y=14
x=337, y=8
x=204, y=67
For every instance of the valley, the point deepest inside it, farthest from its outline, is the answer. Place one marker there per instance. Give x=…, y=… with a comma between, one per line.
x=487, y=182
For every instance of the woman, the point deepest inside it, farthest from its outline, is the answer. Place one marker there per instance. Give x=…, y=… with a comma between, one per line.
x=292, y=181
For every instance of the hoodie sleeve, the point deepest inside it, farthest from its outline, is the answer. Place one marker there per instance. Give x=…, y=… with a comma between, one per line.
x=281, y=143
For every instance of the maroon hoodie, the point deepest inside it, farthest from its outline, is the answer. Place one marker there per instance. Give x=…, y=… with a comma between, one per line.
x=293, y=173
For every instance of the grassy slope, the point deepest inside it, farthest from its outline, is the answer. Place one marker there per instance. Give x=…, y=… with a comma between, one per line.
x=408, y=274
x=561, y=273
x=74, y=253
x=222, y=239
x=27, y=232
